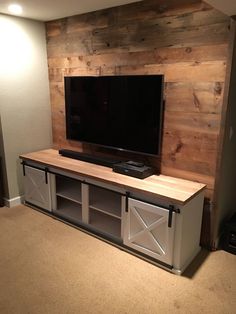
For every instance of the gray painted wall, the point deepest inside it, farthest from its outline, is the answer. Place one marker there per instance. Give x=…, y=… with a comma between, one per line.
x=24, y=96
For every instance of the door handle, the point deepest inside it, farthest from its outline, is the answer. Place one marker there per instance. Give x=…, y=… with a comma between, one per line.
x=171, y=210
x=46, y=175
x=23, y=164
x=127, y=194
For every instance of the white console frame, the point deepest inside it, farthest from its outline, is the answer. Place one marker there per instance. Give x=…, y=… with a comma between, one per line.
x=186, y=224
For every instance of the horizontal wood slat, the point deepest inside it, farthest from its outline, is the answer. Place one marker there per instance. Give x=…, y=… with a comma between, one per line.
x=136, y=39
x=210, y=71
x=203, y=97
x=198, y=122
x=157, y=56
x=178, y=151
x=124, y=14
x=158, y=8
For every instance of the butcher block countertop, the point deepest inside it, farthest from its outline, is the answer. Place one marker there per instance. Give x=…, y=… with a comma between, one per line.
x=167, y=188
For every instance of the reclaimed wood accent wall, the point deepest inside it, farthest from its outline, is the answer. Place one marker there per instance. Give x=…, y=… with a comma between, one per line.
x=187, y=41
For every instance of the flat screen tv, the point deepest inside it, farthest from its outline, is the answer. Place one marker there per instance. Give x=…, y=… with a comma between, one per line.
x=119, y=112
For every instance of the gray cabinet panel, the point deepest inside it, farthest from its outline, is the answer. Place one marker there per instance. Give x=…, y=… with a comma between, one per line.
x=37, y=191
x=146, y=230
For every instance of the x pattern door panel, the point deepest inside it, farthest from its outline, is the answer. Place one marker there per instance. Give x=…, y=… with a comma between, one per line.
x=36, y=189
x=147, y=230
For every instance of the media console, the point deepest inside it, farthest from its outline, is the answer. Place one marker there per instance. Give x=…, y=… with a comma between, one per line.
x=158, y=218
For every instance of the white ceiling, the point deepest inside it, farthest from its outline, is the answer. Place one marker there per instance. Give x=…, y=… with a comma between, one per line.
x=46, y=10
x=226, y=6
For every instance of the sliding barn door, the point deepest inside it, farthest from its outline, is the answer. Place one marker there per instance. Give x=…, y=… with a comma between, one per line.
x=37, y=191
x=147, y=230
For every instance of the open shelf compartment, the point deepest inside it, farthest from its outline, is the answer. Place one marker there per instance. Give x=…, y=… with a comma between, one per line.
x=68, y=209
x=68, y=188
x=104, y=223
x=105, y=201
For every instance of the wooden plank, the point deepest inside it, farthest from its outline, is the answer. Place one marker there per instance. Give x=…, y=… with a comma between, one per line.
x=123, y=14
x=81, y=23
x=213, y=71
x=189, y=163
x=57, y=96
x=187, y=30
x=54, y=28
x=167, y=23
x=196, y=122
x=150, y=9
x=140, y=38
x=172, y=183
x=200, y=96
x=55, y=75
x=197, y=146
x=157, y=56
x=191, y=151
x=82, y=71
x=79, y=43
x=58, y=126
x=101, y=21
x=174, y=190
x=153, y=8
x=78, y=23
x=90, y=21
x=178, y=141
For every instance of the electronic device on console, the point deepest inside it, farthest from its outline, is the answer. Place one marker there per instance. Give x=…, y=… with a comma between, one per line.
x=133, y=169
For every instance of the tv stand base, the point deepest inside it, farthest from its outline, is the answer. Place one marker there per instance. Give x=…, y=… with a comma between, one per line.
x=158, y=219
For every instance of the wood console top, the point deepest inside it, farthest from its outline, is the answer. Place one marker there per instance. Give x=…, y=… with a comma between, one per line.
x=170, y=189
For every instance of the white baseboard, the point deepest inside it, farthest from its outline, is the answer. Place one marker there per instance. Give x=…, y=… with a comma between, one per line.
x=14, y=201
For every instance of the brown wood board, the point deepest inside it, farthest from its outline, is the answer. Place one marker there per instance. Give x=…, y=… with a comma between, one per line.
x=170, y=189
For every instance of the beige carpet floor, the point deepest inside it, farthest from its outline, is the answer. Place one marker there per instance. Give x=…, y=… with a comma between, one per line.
x=47, y=266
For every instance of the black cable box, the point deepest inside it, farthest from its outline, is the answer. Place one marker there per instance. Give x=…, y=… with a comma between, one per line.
x=103, y=161
x=129, y=169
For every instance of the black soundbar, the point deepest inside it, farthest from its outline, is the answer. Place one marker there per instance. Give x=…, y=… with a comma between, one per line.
x=103, y=161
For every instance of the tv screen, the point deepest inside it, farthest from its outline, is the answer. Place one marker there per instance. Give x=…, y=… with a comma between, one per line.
x=121, y=112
